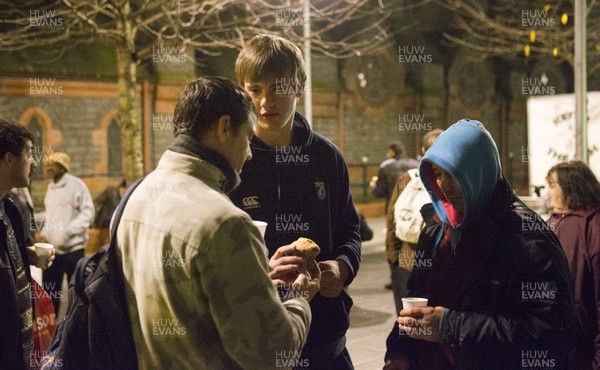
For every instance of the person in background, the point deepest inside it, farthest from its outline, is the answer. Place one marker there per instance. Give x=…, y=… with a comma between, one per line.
x=105, y=205
x=107, y=202
x=366, y=233
x=390, y=170
x=196, y=273
x=68, y=214
x=497, y=282
x=16, y=322
x=400, y=254
x=574, y=193
x=297, y=181
x=24, y=203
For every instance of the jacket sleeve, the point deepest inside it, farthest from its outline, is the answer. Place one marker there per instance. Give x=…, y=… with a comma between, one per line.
x=347, y=244
x=540, y=312
x=398, y=344
x=593, y=245
x=85, y=212
x=254, y=326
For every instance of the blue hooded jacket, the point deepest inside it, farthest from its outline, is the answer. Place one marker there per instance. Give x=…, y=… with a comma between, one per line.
x=468, y=153
x=500, y=248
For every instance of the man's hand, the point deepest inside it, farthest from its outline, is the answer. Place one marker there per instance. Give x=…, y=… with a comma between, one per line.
x=333, y=276
x=284, y=269
x=308, y=284
x=32, y=257
x=421, y=322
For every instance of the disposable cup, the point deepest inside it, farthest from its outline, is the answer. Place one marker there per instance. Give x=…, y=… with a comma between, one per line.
x=43, y=252
x=414, y=302
x=262, y=227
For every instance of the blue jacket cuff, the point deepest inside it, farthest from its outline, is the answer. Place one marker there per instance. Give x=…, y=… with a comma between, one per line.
x=443, y=326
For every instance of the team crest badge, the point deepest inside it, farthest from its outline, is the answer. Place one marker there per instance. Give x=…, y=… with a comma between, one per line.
x=321, y=192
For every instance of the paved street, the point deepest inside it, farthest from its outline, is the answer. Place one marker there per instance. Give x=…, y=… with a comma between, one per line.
x=372, y=316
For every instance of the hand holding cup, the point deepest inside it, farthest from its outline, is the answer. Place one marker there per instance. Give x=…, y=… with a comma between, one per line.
x=420, y=321
x=44, y=255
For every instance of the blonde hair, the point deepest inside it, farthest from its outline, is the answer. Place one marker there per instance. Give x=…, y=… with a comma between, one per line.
x=268, y=55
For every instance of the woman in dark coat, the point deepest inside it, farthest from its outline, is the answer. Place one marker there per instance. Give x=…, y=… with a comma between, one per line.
x=575, y=197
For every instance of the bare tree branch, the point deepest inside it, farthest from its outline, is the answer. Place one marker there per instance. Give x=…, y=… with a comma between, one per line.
x=136, y=28
x=507, y=27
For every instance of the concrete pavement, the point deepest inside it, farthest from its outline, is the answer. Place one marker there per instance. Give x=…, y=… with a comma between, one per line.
x=373, y=313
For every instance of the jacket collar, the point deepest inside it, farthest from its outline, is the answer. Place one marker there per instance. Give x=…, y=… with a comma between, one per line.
x=60, y=183
x=185, y=144
x=584, y=213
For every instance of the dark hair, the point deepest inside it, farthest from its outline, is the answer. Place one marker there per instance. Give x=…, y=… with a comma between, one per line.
x=270, y=55
x=397, y=148
x=13, y=138
x=579, y=185
x=206, y=99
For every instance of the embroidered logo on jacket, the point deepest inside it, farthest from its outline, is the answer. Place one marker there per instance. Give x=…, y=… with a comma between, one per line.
x=251, y=202
x=321, y=192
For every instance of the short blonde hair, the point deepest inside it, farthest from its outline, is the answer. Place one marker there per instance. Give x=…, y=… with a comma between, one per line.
x=267, y=55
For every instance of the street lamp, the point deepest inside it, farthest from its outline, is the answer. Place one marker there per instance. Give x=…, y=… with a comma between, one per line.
x=581, y=126
x=308, y=62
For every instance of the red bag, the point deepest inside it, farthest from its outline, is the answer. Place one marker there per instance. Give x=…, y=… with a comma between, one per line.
x=44, y=323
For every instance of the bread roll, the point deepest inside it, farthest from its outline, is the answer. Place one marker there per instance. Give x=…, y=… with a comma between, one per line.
x=307, y=248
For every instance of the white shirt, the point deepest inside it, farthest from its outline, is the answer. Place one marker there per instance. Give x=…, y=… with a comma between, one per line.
x=69, y=211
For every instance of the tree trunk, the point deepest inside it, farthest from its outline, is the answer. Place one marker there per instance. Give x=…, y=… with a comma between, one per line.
x=129, y=120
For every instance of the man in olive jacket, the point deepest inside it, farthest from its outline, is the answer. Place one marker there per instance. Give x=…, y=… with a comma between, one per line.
x=196, y=270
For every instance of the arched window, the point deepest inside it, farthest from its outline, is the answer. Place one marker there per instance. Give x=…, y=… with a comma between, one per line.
x=115, y=164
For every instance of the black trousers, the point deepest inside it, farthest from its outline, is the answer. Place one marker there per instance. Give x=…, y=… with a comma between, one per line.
x=53, y=276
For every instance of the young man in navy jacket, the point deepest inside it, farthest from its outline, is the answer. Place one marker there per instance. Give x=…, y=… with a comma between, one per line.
x=297, y=182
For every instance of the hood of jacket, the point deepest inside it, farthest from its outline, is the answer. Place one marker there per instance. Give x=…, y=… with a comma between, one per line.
x=468, y=153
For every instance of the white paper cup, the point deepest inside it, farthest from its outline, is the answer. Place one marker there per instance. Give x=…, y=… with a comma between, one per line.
x=414, y=302
x=43, y=252
x=262, y=227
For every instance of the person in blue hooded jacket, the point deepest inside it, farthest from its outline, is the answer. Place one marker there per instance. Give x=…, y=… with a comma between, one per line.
x=498, y=287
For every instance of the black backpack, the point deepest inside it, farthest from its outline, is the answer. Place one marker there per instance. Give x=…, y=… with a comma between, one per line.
x=96, y=332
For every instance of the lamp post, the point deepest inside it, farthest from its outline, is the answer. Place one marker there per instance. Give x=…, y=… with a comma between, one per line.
x=581, y=125
x=307, y=61
x=365, y=165
x=580, y=76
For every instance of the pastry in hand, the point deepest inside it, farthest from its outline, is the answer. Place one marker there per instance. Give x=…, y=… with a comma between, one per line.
x=308, y=249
